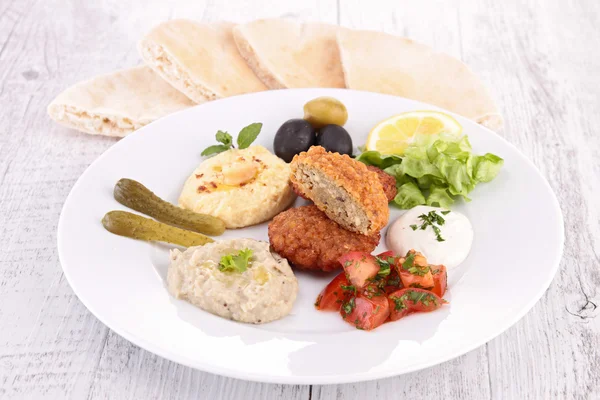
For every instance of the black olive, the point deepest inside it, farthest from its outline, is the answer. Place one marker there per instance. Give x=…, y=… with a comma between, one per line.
x=293, y=137
x=334, y=138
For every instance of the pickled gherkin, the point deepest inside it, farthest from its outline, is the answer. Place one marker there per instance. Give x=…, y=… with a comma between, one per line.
x=136, y=196
x=135, y=226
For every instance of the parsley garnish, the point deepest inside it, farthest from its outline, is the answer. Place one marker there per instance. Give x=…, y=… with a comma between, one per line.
x=434, y=220
x=399, y=302
x=409, y=265
x=349, y=288
x=384, y=266
x=349, y=306
x=245, y=138
x=235, y=262
x=409, y=261
x=423, y=297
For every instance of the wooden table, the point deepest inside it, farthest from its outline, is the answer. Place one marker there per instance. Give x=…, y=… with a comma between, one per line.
x=541, y=60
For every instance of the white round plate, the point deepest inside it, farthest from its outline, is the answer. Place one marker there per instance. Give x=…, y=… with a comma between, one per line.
x=518, y=244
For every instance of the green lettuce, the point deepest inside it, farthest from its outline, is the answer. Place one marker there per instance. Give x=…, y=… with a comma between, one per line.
x=378, y=160
x=434, y=171
x=409, y=196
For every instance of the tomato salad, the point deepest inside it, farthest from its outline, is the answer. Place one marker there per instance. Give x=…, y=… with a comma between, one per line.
x=375, y=289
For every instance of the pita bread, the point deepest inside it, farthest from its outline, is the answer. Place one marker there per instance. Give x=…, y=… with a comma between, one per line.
x=201, y=60
x=379, y=62
x=118, y=103
x=286, y=54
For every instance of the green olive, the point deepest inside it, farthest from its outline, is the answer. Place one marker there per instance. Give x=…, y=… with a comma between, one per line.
x=325, y=111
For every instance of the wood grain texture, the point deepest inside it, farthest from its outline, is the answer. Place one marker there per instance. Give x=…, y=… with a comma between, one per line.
x=539, y=57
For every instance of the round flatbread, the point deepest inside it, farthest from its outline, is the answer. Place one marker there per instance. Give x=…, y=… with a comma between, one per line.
x=199, y=59
x=379, y=62
x=118, y=103
x=287, y=54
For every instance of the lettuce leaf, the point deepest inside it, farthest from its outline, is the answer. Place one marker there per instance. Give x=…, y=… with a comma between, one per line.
x=486, y=167
x=377, y=159
x=439, y=197
x=435, y=170
x=409, y=196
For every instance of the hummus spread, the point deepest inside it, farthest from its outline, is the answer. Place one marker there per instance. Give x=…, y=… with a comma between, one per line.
x=241, y=187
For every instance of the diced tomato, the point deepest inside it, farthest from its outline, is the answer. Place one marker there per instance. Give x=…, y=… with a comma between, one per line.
x=366, y=312
x=386, y=254
x=414, y=271
x=424, y=281
x=333, y=295
x=408, y=300
x=440, y=279
x=359, y=268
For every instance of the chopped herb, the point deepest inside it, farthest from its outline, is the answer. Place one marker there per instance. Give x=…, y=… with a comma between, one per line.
x=434, y=220
x=237, y=262
x=446, y=212
x=409, y=265
x=423, y=297
x=409, y=261
x=399, y=302
x=349, y=306
x=418, y=270
x=376, y=310
x=365, y=314
x=349, y=288
x=384, y=267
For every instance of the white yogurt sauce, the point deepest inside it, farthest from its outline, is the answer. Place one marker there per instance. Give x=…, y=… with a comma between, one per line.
x=456, y=231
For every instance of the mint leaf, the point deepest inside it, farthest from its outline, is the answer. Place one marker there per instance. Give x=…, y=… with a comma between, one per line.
x=215, y=149
x=248, y=135
x=235, y=262
x=224, y=137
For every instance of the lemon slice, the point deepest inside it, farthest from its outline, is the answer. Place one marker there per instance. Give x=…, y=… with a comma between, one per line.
x=394, y=134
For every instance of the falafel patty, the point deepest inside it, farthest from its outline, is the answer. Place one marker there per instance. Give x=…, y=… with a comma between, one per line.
x=310, y=240
x=342, y=188
x=387, y=181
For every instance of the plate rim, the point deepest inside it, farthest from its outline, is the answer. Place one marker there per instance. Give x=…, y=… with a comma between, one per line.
x=311, y=379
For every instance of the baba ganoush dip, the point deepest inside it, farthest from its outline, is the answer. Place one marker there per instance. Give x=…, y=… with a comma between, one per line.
x=265, y=291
